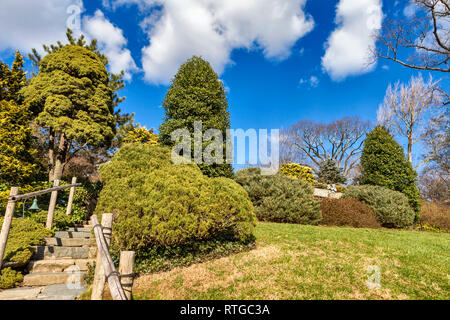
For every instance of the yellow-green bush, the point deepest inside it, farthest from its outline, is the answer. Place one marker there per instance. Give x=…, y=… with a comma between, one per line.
x=9, y=278
x=61, y=221
x=295, y=170
x=157, y=203
x=23, y=235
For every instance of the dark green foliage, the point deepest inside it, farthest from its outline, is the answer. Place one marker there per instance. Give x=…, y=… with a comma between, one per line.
x=384, y=164
x=197, y=94
x=330, y=173
x=392, y=207
x=157, y=203
x=279, y=198
x=10, y=278
x=23, y=235
x=161, y=259
x=347, y=212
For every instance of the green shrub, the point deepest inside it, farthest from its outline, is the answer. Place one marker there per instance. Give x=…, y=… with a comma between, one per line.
x=392, y=207
x=384, y=164
x=279, y=198
x=61, y=221
x=330, y=173
x=161, y=259
x=10, y=278
x=347, y=212
x=23, y=235
x=295, y=170
x=157, y=203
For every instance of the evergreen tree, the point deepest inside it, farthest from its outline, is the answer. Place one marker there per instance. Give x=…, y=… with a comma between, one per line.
x=18, y=163
x=75, y=102
x=12, y=80
x=330, y=173
x=197, y=94
x=384, y=164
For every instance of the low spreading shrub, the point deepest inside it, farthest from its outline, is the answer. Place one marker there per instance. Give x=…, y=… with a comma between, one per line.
x=161, y=259
x=278, y=198
x=23, y=235
x=158, y=204
x=435, y=217
x=297, y=171
x=392, y=207
x=10, y=278
x=348, y=212
x=61, y=221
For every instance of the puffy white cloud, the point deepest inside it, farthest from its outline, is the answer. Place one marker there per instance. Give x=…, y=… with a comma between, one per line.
x=347, y=48
x=28, y=24
x=111, y=42
x=31, y=23
x=214, y=28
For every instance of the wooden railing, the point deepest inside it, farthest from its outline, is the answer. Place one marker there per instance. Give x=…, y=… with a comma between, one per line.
x=120, y=284
x=14, y=197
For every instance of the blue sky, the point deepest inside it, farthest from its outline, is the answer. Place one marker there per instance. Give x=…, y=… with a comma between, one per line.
x=270, y=83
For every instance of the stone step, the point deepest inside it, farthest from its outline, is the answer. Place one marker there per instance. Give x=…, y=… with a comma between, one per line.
x=62, y=265
x=61, y=292
x=49, y=278
x=55, y=252
x=73, y=234
x=70, y=242
x=81, y=229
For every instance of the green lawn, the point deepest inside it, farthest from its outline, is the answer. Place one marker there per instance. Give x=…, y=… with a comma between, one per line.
x=306, y=262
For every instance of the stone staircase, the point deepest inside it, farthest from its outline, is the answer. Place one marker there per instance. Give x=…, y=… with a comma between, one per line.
x=56, y=270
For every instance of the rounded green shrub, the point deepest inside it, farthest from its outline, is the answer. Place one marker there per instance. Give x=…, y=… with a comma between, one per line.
x=9, y=278
x=392, y=207
x=157, y=203
x=23, y=235
x=278, y=198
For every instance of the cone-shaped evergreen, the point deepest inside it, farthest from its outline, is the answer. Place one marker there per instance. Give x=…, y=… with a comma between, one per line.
x=384, y=164
x=197, y=94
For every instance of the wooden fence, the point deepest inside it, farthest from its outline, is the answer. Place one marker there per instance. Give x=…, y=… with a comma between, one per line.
x=14, y=197
x=120, y=284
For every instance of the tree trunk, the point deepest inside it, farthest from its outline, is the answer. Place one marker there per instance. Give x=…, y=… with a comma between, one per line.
x=61, y=157
x=51, y=155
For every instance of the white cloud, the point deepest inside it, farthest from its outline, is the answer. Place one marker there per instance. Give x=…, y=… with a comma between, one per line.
x=28, y=24
x=35, y=23
x=312, y=82
x=214, y=28
x=111, y=42
x=347, y=48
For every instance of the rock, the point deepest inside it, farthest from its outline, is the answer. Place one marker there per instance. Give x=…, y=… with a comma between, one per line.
x=46, y=266
x=50, y=278
x=25, y=293
x=54, y=252
x=73, y=234
x=69, y=242
x=61, y=292
x=322, y=193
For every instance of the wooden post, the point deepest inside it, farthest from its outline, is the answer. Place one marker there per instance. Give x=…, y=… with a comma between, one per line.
x=71, y=194
x=126, y=270
x=99, y=277
x=115, y=287
x=7, y=223
x=51, y=207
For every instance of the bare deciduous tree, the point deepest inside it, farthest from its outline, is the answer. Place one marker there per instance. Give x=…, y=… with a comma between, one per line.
x=420, y=41
x=437, y=140
x=340, y=140
x=406, y=110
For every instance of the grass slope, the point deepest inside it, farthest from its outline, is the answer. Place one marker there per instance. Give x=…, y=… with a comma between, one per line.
x=307, y=262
